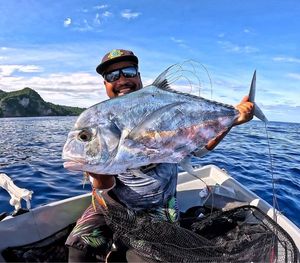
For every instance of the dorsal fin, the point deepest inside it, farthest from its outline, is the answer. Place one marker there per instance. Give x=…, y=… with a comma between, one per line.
x=161, y=81
x=188, y=75
x=184, y=74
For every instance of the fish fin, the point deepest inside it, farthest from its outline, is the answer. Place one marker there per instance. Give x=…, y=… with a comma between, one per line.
x=257, y=111
x=186, y=165
x=201, y=152
x=186, y=74
x=161, y=81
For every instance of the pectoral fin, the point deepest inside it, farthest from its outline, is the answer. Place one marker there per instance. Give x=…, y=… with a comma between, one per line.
x=186, y=165
x=201, y=152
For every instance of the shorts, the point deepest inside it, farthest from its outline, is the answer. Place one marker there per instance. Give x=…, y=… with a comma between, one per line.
x=91, y=234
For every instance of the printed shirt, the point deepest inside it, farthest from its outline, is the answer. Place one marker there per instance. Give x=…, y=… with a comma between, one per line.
x=151, y=189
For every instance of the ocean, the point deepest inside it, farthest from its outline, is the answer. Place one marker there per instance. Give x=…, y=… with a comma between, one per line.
x=30, y=153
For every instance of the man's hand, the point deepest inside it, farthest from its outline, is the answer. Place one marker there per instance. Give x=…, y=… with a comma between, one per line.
x=246, y=109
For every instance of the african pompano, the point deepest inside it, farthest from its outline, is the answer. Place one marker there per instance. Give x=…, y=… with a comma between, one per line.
x=153, y=125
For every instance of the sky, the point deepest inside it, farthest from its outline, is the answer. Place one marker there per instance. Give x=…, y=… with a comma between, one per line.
x=54, y=47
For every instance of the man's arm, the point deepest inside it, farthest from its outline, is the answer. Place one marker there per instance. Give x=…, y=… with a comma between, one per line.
x=245, y=107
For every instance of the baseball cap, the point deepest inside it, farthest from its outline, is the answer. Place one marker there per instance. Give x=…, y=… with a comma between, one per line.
x=114, y=56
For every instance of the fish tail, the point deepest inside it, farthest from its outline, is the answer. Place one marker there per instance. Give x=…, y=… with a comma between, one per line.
x=257, y=111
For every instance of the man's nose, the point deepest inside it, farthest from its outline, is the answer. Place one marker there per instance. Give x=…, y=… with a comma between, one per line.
x=122, y=79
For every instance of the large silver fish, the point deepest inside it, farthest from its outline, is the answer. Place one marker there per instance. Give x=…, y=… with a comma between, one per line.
x=153, y=125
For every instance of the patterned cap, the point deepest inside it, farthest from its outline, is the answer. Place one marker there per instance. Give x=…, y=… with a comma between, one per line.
x=114, y=56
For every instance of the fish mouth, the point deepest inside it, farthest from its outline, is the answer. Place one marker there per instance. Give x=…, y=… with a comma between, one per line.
x=74, y=166
x=72, y=163
x=82, y=167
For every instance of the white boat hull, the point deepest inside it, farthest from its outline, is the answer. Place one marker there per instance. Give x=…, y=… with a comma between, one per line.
x=46, y=220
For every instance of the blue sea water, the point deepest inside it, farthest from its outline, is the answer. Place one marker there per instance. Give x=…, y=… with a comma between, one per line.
x=30, y=153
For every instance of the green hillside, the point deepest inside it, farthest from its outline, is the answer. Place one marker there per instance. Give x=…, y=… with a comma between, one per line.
x=28, y=103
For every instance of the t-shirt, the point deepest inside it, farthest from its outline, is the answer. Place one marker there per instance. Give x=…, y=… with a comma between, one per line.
x=149, y=188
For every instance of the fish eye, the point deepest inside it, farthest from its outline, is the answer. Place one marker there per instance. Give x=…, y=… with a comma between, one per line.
x=85, y=135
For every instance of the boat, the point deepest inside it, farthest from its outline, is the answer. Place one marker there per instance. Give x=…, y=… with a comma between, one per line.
x=209, y=187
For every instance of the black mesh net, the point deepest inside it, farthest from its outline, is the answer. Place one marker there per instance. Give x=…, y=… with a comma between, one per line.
x=243, y=234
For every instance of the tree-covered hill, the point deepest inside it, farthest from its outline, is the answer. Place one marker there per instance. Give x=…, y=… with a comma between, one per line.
x=28, y=103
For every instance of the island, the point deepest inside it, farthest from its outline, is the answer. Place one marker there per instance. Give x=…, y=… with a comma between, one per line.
x=28, y=103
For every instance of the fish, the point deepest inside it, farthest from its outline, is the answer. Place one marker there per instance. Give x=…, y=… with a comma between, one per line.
x=155, y=124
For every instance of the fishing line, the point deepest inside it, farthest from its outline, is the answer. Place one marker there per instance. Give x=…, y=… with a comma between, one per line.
x=274, y=197
x=210, y=192
x=195, y=72
x=186, y=71
x=189, y=71
x=177, y=74
x=208, y=75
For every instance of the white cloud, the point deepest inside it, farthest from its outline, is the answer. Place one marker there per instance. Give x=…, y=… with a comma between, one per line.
x=90, y=19
x=107, y=14
x=287, y=59
x=84, y=88
x=246, y=30
x=128, y=14
x=179, y=42
x=67, y=22
x=7, y=70
x=101, y=6
x=294, y=75
x=84, y=26
x=97, y=19
x=30, y=68
x=231, y=47
x=73, y=79
x=249, y=49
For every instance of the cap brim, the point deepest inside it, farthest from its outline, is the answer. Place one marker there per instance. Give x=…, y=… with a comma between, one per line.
x=101, y=67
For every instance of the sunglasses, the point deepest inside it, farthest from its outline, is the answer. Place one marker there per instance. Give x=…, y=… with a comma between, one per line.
x=129, y=72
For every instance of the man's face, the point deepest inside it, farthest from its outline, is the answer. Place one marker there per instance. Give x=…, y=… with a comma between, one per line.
x=122, y=85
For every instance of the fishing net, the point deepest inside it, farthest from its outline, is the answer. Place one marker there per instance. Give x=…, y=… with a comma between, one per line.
x=243, y=234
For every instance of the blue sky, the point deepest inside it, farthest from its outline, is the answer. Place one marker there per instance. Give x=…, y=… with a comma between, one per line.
x=54, y=46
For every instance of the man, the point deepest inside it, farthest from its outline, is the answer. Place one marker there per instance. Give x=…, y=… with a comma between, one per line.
x=154, y=192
